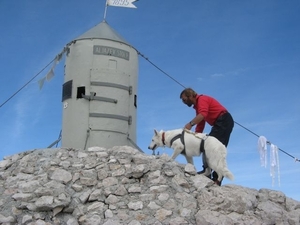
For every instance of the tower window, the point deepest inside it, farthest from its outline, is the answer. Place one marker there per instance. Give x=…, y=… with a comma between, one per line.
x=135, y=101
x=67, y=90
x=80, y=91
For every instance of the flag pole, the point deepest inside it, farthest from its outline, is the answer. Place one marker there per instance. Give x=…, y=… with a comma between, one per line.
x=105, y=10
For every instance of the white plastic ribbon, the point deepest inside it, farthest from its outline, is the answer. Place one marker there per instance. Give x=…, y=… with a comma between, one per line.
x=274, y=163
x=262, y=148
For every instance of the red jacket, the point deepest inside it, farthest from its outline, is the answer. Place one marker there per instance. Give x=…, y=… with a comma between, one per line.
x=210, y=109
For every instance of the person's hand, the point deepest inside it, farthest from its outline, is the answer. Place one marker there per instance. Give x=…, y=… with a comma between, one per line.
x=188, y=126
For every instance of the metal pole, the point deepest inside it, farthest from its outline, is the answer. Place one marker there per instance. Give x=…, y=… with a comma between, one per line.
x=105, y=10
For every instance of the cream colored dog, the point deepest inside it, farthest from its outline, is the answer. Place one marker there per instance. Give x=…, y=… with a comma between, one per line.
x=187, y=143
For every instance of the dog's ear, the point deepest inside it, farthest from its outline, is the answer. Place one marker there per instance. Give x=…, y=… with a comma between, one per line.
x=155, y=132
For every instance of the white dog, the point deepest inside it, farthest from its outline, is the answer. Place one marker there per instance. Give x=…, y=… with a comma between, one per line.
x=188, y=143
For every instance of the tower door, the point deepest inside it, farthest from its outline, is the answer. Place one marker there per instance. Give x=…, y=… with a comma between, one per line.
x=109, y=117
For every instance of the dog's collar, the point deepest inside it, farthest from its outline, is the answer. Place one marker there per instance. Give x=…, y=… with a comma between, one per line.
x=163, y=138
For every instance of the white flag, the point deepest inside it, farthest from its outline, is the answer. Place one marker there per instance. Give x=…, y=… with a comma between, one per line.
x=50, y=74
x=41, y=82
x=121, y=3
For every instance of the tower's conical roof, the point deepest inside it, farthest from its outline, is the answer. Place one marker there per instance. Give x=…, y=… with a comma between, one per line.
x=102, y=31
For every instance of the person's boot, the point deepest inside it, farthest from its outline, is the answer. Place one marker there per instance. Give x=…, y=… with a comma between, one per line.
x=206, y=172
x=218, y=182
x=215, y=178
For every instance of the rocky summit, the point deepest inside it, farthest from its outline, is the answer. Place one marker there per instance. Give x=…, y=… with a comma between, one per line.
x=122, y=185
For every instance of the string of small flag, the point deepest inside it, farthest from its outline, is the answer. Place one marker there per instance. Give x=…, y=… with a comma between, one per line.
x=25, y=85
x=50, y=73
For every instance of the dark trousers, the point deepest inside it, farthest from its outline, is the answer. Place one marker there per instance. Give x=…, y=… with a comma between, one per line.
x=222, y=128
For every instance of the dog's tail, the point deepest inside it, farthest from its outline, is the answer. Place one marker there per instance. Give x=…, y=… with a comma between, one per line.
x=228, y=174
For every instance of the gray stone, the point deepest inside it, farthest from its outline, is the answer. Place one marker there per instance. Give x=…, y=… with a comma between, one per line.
x=135, y=205
x=44, y=203
x=121, y=185
x=61, y=175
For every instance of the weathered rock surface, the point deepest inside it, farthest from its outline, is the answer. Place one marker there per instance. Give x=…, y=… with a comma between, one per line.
x=124, y=186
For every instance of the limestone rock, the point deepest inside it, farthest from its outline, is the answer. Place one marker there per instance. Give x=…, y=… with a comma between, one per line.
x=121, y=185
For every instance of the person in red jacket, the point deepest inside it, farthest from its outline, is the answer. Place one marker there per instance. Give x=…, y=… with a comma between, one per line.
x=211, y=111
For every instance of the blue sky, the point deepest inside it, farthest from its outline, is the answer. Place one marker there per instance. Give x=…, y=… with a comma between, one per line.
x=246, y=54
